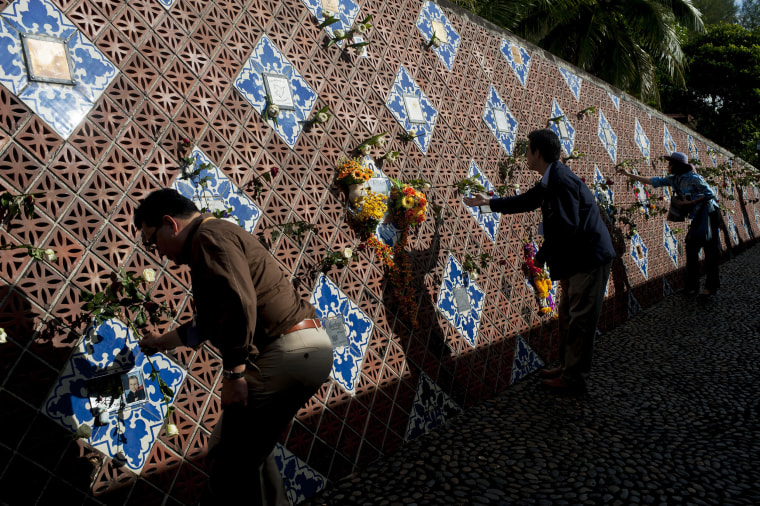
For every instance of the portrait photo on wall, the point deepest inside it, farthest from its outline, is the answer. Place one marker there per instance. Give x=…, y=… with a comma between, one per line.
x=134, y=387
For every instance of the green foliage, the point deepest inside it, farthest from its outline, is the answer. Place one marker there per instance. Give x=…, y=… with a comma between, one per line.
x=749, y=16
x=722, y=95
x=717, y=11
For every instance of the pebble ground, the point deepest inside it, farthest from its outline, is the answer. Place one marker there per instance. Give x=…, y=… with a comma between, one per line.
x=672, y=416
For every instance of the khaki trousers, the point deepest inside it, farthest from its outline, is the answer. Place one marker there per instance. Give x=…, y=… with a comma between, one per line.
x=241, y=449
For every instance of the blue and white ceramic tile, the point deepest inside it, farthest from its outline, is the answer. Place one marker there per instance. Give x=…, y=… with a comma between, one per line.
x=347, y=14
x=132, y=431
x=757, y=192
x=732, y=229
x=615, y=100
x=386, y=231
x=405, y=85
x=507, y=135
x=605, y=197
x=666, y=288
x=634, y=307
x=526, y=361
x=573, y=82
x=729, y=187
x=757, y=218
x=667, y=140
x=431, y=408
x=447, y=51
x=693, y=149
x=267, y=58
x=607, y=136
x=641, y=194
x=518, y=59
x=330, y=302
x=489, y=222
x=467, y=323
x=563, y=128
x=641, y=140
x=219, y=194
x=713, y=154
x=301, y=480
x=670, y=242
x=167, y=4
x=639, y=254
x=62, y=106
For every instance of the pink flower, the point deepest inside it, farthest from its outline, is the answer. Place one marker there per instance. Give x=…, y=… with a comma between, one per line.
x=583, y=179
x=186, y=140
x=274, y=171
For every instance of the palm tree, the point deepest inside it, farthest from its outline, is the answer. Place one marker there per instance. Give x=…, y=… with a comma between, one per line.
x=620, y=41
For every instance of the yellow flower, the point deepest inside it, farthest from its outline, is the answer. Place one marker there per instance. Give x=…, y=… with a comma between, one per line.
x=407, y=202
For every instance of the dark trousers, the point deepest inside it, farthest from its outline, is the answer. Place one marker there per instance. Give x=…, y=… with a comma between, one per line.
x=580, y=304
x=286, y=374
x=712, y=257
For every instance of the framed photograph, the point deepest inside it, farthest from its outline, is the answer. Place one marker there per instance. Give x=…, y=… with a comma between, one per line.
x=278, y=89
x=134, y=387
x=440, y=31
x=47, y=59
x=331, y=6
x=414, y=109
x=462, y=299
x=502, y=123
x=105, y=393
x=336, y=329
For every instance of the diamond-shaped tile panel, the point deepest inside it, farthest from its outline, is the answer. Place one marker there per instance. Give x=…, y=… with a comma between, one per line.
x=301, y=481
x=641, y=140
x=757, y=218
x=412, y=109
x=349, y=330
x=606, y=198
x=461, y=301
x=615, y=100
x=62, y=106
x=218, y=194
x=345, y=10
x=670, y=242
x=488, y=221
x=167, y=4
x=518, y=59
x=525, y=362
x=634, y=307
x=667, y=140
x=562, y=128
x=500, y=121
x=607, y=136
x=732, y=229
x=573, y=82
x=433, y=20
x=639, y=254
x=110, y=350
x=268, y=73
x=693, y=149
x=431, y=408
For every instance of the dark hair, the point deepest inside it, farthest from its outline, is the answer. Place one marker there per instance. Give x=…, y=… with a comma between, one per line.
x=680, y=168
x=163, y=202
x=546, y=142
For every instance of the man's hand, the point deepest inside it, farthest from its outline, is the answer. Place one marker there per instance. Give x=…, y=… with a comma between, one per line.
x=234, y=392
x=151, y=342
x=477, y=200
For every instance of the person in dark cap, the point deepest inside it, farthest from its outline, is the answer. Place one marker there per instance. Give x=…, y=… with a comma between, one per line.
x=577, y=248
x=694, y=197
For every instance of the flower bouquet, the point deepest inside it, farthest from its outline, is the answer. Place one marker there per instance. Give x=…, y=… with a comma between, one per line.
x=368, y=211
x=540, y=281
x=351, y=174
x=409, y=205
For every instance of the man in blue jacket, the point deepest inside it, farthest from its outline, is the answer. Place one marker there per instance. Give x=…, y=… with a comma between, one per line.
x=576, y=247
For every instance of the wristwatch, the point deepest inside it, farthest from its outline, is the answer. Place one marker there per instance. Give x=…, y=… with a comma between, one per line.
x=230, y=375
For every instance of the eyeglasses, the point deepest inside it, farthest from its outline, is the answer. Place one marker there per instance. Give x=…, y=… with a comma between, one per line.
x=150, y=243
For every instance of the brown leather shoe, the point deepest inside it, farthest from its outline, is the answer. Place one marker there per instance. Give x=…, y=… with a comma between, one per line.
x=550, y=373
x=561, y=386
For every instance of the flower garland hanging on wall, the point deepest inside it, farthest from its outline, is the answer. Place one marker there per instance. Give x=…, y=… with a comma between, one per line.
x=539, y=280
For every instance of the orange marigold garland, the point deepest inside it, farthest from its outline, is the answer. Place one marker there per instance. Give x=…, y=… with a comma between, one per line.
x=540, y=281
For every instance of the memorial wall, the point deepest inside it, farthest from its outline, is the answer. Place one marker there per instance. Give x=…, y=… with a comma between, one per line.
x=252, y=108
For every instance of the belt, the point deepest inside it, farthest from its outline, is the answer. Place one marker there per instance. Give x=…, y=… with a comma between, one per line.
x=309, y=323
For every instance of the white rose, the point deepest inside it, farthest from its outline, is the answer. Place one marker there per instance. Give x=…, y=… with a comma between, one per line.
x=103, y=418
x=437, y=42
x=322, y=117
x=339, y=34
x=327, y=14
x=84, y=431
x=361, y=51
x=426, y=186
x=392, y=157
x=171, y=430
x=381, y=142
x=50, y=255
x=365, y=150
x=473, y=275
x=273, y=111
x=149, y=275
x=348, y=253
x=3, y=336
x=361, y=28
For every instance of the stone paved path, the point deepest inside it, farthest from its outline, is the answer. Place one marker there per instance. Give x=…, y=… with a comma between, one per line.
x=672, y=417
